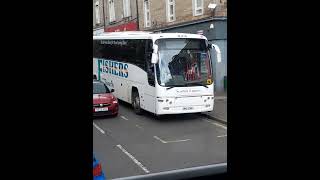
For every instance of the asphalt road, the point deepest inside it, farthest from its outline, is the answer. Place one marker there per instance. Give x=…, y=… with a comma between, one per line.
x=131, y=144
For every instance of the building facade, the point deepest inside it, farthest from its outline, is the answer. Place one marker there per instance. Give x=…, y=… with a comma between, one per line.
x=157, y=14
x=98, y=15
x=121, y=15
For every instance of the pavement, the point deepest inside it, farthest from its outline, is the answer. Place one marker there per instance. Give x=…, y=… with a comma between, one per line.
x=219, y=112
x=130, y=144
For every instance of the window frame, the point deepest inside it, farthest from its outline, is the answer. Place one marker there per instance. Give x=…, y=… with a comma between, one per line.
x=97, y=11
x=195, y=8
x=112, y=15
x=146, y=11
x=126, y=8
x=168, y=15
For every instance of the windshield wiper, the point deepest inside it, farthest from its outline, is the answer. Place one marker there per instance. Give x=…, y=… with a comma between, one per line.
x=197, y=83
x=179, y=85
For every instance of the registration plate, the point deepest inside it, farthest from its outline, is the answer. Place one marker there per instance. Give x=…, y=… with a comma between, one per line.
x=187, y=108
x=101, y=109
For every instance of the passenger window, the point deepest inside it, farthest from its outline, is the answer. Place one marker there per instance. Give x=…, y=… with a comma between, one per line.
x=150, y=73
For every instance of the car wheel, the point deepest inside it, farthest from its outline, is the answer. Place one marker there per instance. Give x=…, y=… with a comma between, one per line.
x=136, y=103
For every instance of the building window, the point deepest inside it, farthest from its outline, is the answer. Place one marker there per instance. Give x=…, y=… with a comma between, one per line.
x=111, y=11
x=126, y=8
x=147, y=21
x=97, y=10
x=197, y=7
x=171, y=10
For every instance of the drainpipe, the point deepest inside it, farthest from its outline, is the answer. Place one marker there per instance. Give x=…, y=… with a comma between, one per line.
x=104, y=16
x=137, y=15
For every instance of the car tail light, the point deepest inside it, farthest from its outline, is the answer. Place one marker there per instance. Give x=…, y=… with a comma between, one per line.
x=97, y=171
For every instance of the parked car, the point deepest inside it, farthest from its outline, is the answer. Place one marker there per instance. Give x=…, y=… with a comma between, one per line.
x=104, y=102
x=97, y=170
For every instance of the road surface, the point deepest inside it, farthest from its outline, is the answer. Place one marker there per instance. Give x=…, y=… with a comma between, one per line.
x=131, y=144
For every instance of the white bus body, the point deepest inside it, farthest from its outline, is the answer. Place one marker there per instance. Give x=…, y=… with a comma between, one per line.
x=172, y=88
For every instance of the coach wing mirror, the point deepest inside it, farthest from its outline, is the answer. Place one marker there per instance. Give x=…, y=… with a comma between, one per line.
x=217, y=49
x=154, y=58
x=155, y=48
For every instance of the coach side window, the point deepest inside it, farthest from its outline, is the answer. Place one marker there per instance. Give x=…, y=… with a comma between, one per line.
x=140, y=53
x=149, y=65
x=124, y=51
x=96, y=49
x=131, y=51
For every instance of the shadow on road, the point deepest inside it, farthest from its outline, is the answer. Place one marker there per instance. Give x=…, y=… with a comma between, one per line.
x=103, y=117
x=162, y=118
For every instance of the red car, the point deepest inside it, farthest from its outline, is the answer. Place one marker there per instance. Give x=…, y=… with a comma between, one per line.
x=104, y=102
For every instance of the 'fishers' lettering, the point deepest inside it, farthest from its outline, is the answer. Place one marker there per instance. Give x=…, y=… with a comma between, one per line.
x=113, y=67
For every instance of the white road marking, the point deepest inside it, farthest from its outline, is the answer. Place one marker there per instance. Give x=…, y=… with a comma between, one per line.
x=219, y=125
x=124, y=118
x=178, y=141
x=156, y=137
x=222, y=135
x=102, y=131
x=133, y=158
x=138, y=126
x=163, y=141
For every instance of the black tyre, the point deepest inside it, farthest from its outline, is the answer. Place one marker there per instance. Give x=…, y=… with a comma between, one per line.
x=136, y=103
